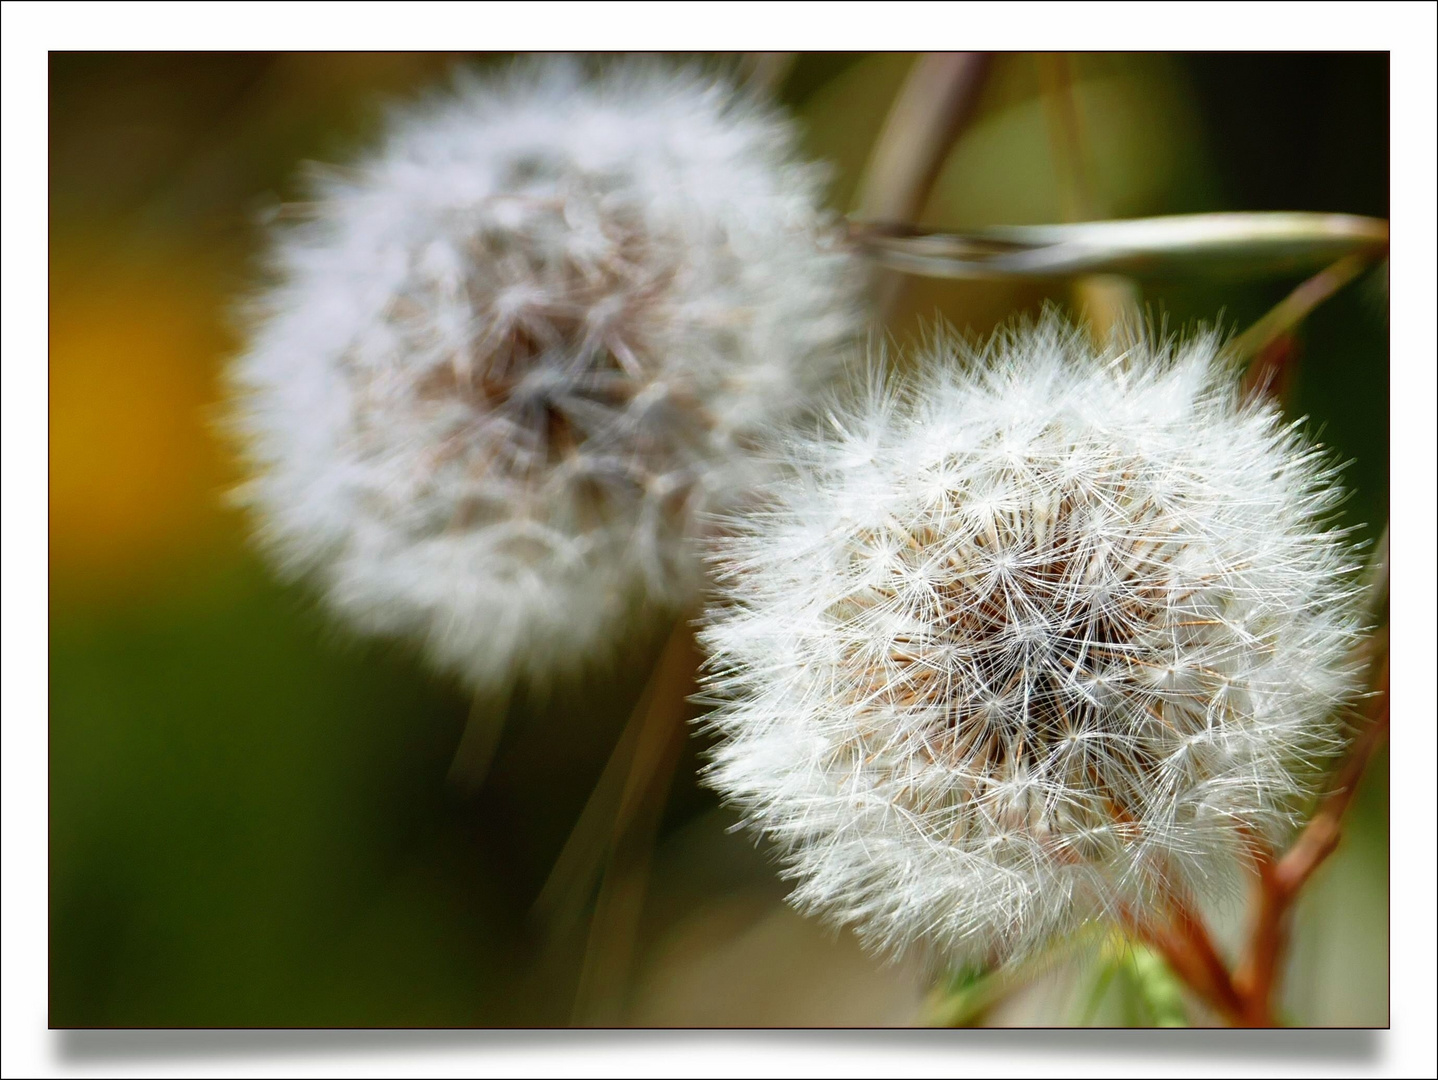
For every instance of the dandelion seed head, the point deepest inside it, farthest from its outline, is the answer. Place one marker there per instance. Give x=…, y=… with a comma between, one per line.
x=514, y=353
x=1080, y=631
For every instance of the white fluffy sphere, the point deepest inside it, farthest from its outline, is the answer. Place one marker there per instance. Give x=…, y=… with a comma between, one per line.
x=515, y=352
x=1034, y=638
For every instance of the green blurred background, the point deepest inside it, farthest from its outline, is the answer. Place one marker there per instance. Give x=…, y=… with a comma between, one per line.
x=249, y=817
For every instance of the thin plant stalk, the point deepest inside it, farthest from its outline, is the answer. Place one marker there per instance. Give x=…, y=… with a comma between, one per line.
x=1298, y=305
x=1281, y=878
x=1109, y=303
x=1258, y=243
x=766, y=72
x=1066, y=137
x=613, y=932
x=935, y=104
x=617, y=797
x=488, y=715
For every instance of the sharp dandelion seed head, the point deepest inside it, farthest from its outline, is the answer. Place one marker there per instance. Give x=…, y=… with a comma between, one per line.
x=515, y=352
x=1033, y=638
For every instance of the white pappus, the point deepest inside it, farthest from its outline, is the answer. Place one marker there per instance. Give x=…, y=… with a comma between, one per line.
x=513, y=353
x=1037, y=637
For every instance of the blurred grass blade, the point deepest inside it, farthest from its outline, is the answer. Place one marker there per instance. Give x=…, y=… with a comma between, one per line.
x=766, y=72
x=1157, y=989
x=477, y=745
x=1296, y=307
x=1255, y=243
x=961, y=999
x=1098, y=990
x=642, y=758
x=936, y=103
x=1137, y=986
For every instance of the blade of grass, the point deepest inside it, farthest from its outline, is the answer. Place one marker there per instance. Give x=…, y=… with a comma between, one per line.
x=637, y=757
x=766, y=72
x=1252, y=243
x=935, y=104
x=482, y=732
x=614, y=930
x=1297, y=306
x=1108, y=303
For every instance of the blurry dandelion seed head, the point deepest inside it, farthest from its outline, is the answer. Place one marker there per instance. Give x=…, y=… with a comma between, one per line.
x=514, y=355
x=1029, y=640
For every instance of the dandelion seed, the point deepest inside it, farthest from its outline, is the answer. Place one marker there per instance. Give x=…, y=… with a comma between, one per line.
x=1031, y=638
x=513, y=355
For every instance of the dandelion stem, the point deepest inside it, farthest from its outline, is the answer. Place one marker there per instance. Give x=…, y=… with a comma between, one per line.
x=1196, y=934
x=1190, y=950
x=1281, y=878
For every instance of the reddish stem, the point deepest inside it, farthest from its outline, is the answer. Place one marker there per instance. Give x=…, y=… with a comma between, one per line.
x=1246, y=997
x=1187, y=947
x=1281, y=879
